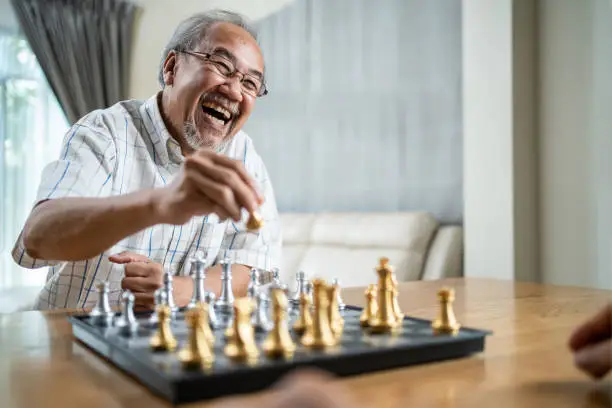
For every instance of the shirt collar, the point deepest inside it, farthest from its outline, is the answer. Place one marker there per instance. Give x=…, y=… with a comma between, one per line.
x=166, y=148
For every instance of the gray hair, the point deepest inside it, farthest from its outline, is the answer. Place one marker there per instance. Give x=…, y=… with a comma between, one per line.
x=194, y=29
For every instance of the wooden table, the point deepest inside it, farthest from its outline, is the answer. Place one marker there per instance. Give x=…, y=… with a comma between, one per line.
x=526, y=363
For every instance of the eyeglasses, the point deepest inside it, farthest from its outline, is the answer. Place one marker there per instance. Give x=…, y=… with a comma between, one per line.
x=250, y=84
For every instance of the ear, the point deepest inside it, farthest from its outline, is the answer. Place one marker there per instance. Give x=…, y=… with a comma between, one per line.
x=170, y=64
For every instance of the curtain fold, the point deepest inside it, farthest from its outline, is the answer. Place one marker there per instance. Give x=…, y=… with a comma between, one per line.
x=83, y=47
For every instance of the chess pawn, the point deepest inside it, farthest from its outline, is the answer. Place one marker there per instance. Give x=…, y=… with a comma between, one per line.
x=102, y=314
x=339, y=300
x=127, y=322
x=159, y=297
x=335, y=319
x=446, y=323
x=278, y=343
x=241, y=344
x=197, y=353
x=163, y=339
x=397, y=312
x=304, y=321
x=255, y=222
x=320, y=334
x=369, y=311
x=384, y=320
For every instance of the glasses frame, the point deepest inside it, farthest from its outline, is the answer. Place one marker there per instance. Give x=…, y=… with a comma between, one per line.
x=206, y=57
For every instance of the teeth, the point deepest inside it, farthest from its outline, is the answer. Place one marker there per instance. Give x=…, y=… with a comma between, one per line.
x=216, y=120
x=218, y=108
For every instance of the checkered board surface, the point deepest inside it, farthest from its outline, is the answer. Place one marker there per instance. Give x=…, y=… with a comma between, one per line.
x=357, y=352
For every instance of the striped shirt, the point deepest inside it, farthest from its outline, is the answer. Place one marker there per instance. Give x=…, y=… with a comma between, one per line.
x=125, y=148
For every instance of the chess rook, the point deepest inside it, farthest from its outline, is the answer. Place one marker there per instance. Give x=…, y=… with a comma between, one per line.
x=446, y=323
x=127, y=322
x=102, y=314
x=226, y=299
x=278, y=343
x=259, y=318
x=198, y=273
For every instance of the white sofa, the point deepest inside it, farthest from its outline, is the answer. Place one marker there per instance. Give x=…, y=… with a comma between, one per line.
x=348, y=246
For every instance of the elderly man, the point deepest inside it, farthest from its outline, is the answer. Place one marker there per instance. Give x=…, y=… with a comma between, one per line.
x=141, y=186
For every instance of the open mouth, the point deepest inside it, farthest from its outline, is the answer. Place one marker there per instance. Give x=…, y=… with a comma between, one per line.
x=217, y=113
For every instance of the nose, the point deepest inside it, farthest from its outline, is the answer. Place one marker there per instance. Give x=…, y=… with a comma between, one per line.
x=232, y=89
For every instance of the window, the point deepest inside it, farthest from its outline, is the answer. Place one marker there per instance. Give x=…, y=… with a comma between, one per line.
x=32, y=126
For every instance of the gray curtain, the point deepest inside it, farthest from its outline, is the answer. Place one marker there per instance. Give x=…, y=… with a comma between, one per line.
x=83, y=47
x=364, y=110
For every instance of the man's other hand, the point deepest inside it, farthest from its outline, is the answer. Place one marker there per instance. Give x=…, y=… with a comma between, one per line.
x=591, y=344
x=143, y=278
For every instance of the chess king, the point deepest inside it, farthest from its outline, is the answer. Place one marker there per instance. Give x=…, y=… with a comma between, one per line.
x=146, y=183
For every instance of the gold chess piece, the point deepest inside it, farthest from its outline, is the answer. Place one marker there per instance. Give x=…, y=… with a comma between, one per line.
x=369, y=311
x=320, y=334
x=241, y=344
x=198, y=352
x=384, y=321
x=446, y=323
x=255, y=222
x=278, y=343
x=163, y=339
x=335, y=318
x=304, y=321
x=208, y=333
x=397, y=312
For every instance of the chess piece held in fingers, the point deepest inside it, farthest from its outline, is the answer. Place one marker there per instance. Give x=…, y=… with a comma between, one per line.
x=255, y=221
x=446, y=323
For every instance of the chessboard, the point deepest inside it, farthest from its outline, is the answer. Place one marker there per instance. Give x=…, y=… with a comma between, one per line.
x=217, y=347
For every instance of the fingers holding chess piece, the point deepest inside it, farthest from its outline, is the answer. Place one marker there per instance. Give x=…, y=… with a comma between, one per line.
x=241, y=344
x=278, y=343
x=319, y=335
x=255, y=222
x=446, y=323
x=304, y=321
x=198, y=352
x=384, y=321
x=369, y=311
x=163, y=339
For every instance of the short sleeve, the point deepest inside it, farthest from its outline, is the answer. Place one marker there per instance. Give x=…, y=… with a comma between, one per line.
x=260, y=249
x=83, y=169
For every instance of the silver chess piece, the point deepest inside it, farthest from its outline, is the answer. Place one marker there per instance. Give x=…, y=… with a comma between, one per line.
x=253, y=288
x=198, y=273
x=169, y=292
x=276, y=276
x=209, y=297
x=102, y=314
x=159, y=297
x=341, y=304
x=302, y=287
x=126, y=322
x=260, y=318
x=226, y=300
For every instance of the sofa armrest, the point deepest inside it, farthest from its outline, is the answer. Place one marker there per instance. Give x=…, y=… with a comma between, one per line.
x=445, y=256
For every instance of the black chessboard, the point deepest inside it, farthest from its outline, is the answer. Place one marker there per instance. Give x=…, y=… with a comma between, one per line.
x=357, y=353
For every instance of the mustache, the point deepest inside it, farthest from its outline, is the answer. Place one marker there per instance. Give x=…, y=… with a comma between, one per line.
x=230, y=106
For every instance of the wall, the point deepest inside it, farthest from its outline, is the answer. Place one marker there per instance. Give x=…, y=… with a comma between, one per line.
x=156, y=23
x=575, y=142
x=7, y=17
